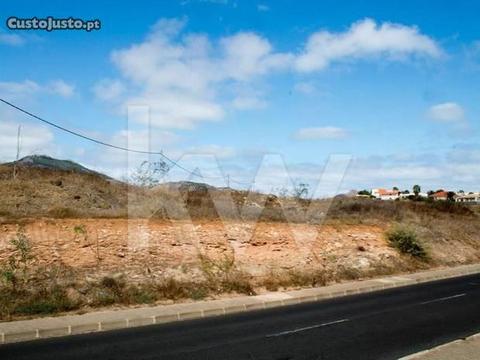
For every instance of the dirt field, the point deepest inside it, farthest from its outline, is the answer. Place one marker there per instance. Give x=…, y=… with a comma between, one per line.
x=142, y=249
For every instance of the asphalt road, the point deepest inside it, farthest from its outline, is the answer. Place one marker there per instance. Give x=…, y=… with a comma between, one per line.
x=381, y=325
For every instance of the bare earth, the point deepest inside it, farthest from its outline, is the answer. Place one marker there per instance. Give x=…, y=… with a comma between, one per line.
x=155, y=248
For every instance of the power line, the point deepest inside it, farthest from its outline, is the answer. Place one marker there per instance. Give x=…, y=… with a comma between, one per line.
x=173, y=162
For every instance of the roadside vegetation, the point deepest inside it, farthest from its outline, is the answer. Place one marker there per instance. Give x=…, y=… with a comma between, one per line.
x=418, y=229
x=406, y=241
x=29, y=290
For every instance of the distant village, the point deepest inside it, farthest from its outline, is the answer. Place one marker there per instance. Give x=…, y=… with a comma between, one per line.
x=416, y=194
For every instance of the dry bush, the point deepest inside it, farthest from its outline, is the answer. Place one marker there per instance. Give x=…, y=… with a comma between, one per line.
x=222, y=275
x=29, y=290
x=294, y=278
x=376, y=210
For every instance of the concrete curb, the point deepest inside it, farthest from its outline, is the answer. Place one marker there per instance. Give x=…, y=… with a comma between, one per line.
x=25, y=330
x=443, y=348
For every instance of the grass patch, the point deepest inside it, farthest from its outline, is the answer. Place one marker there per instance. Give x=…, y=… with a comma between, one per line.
x=45, y=301
x=294, y=278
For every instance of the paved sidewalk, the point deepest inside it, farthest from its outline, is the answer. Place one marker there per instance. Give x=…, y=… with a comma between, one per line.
x=24, y=330
x=468, y=349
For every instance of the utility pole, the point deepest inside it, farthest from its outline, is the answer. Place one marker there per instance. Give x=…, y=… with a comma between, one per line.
x=18, y=152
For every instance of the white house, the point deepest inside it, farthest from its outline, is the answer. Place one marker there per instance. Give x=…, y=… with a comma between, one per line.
x=471, y=198
x=384, y=194
x=408, y=195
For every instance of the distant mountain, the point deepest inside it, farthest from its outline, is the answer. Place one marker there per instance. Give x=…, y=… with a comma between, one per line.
x=47, y=162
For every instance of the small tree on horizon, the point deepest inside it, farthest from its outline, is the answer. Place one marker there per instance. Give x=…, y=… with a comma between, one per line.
x=451, y=196
x=416, y=189
x=300, y=190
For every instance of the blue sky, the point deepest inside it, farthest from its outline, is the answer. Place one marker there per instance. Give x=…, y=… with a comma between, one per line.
x=393, y=85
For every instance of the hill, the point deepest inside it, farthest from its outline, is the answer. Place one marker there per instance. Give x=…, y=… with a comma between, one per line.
x=47, y=162
x=48, y=187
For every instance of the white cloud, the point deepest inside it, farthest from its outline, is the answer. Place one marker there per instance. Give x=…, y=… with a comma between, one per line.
x=136, y=139
x=305, y=88
x=118, y=163
x=448, y=112
x=248, y=103
x=61, y=88
x=15, y=90
x=33, y=139
x=178, y=110
x=180, y=75
x=11, y=39
x=414, y=172
x=247, y=54
x=175, y=77
x=363, y=39
x=221, y=152
x=263, y=7
x=186, y=78
x=108, y=89
x=320, y=133
x=452, y=169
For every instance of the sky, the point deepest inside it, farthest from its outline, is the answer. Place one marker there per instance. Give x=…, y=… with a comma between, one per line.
x=277, y=93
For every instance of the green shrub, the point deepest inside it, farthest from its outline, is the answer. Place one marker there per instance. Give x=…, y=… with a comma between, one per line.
x=15, y=271
x=405, y=240
x=45, y=301
x=140, y=295
x=198, y=292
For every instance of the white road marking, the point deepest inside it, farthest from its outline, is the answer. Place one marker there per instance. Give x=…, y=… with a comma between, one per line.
x=443, y=299
x=307, y=328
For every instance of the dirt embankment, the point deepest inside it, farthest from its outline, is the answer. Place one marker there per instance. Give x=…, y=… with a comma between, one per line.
x=142, y=249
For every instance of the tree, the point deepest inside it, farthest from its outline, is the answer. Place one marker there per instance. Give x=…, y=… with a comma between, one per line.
x=451, y=196
x=416, y=189
x=282, y=192
x=300, y=190
x=395, y=188
x=364, y=192
x=148, y=174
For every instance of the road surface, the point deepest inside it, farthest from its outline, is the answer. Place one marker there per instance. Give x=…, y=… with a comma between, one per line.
x=381, y=325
